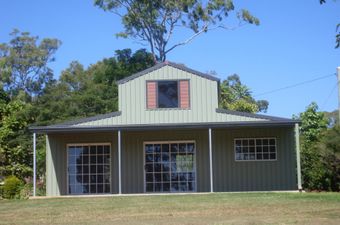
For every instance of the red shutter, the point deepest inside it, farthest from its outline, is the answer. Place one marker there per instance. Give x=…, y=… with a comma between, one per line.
x=151, y=95
x=184, y=94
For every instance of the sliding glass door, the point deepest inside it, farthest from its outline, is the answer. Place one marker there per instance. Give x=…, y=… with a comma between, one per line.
x=170, y=166
x=88, y=168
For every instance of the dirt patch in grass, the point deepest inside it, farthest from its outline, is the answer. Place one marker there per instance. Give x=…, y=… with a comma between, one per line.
x=259, y=208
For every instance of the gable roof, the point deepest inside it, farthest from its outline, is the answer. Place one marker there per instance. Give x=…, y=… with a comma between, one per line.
x=167, y=63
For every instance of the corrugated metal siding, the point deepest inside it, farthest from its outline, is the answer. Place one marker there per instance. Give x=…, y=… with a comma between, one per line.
x=56, y=159
x=203, y=102
x=229, y=175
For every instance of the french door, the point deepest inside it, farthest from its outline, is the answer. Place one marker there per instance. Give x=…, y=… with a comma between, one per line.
x=170, y=166
x=88, y=168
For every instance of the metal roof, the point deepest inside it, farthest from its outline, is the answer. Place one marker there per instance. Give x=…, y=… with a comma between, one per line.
x=89, y=119
x=253, y=115
x=270, y=121
x=167, y=63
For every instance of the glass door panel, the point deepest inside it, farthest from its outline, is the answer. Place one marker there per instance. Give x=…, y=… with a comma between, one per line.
x=170, y=167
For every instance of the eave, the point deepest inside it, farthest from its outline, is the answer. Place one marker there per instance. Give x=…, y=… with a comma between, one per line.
x=164, y=126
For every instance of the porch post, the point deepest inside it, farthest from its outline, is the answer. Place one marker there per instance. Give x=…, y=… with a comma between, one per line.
x=34, y=165
x=119, y=164
x=297, y=148
x=210, y=163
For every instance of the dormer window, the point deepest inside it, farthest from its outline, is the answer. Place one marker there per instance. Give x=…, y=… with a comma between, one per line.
x=167, y=94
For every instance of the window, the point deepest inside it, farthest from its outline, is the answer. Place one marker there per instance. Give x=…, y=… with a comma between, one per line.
x=167, y=94
x=88, y=168
x=170, y=166
x=258, y=149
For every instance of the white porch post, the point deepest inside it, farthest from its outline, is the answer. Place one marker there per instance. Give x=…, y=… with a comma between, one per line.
x=210, y=163
x=34, y=165
x=119, y=164
x=297, y=148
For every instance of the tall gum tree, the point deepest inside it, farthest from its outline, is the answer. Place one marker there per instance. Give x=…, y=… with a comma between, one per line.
x=24, y=63
x=154, y=22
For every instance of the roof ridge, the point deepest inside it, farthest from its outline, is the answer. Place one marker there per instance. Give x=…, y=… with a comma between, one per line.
x=167, y=63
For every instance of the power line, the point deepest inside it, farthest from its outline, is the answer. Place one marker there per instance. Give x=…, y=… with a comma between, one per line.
x=330, y=94
x=294, y=85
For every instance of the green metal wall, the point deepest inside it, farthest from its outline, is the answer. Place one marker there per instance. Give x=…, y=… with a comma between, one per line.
x=228, y=174
x=231, y=175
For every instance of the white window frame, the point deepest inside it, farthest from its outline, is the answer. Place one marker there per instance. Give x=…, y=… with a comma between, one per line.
x=255, y=160
x=88, y=144
x=170, y=142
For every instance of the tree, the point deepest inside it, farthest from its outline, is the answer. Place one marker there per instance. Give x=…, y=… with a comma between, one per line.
x=155, y=22
x=14, y=157
x=329, y=147
x=81, y=92
x=333, y=117
x=23, y=63
x=236, y=96
x=313, y=124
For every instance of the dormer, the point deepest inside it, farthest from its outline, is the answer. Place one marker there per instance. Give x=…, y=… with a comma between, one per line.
x=168, y=87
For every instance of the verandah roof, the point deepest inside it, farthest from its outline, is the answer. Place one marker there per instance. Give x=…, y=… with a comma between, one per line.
x=82, y=125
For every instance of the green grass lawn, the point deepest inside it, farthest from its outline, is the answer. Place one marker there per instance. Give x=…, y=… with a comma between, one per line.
x=247, y=208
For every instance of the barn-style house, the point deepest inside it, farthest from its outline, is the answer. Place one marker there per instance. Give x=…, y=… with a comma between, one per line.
x=169, y=135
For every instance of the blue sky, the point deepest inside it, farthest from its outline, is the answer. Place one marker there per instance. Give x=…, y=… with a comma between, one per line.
x=294, y=43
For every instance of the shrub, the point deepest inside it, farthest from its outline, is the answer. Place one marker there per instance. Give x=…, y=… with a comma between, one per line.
x=41, y=187
x=12, y=187
x=25, y=191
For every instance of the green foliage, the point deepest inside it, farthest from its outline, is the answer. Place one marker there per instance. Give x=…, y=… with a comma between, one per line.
x=332, y=117
x=154, y=22
x=12, y=187
x=313, y=124
x=23, y=63
x=329, y=147
x=81, y=92
x=25, y=191
x=236, y=96
x=14, y=156
x=41, y=187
